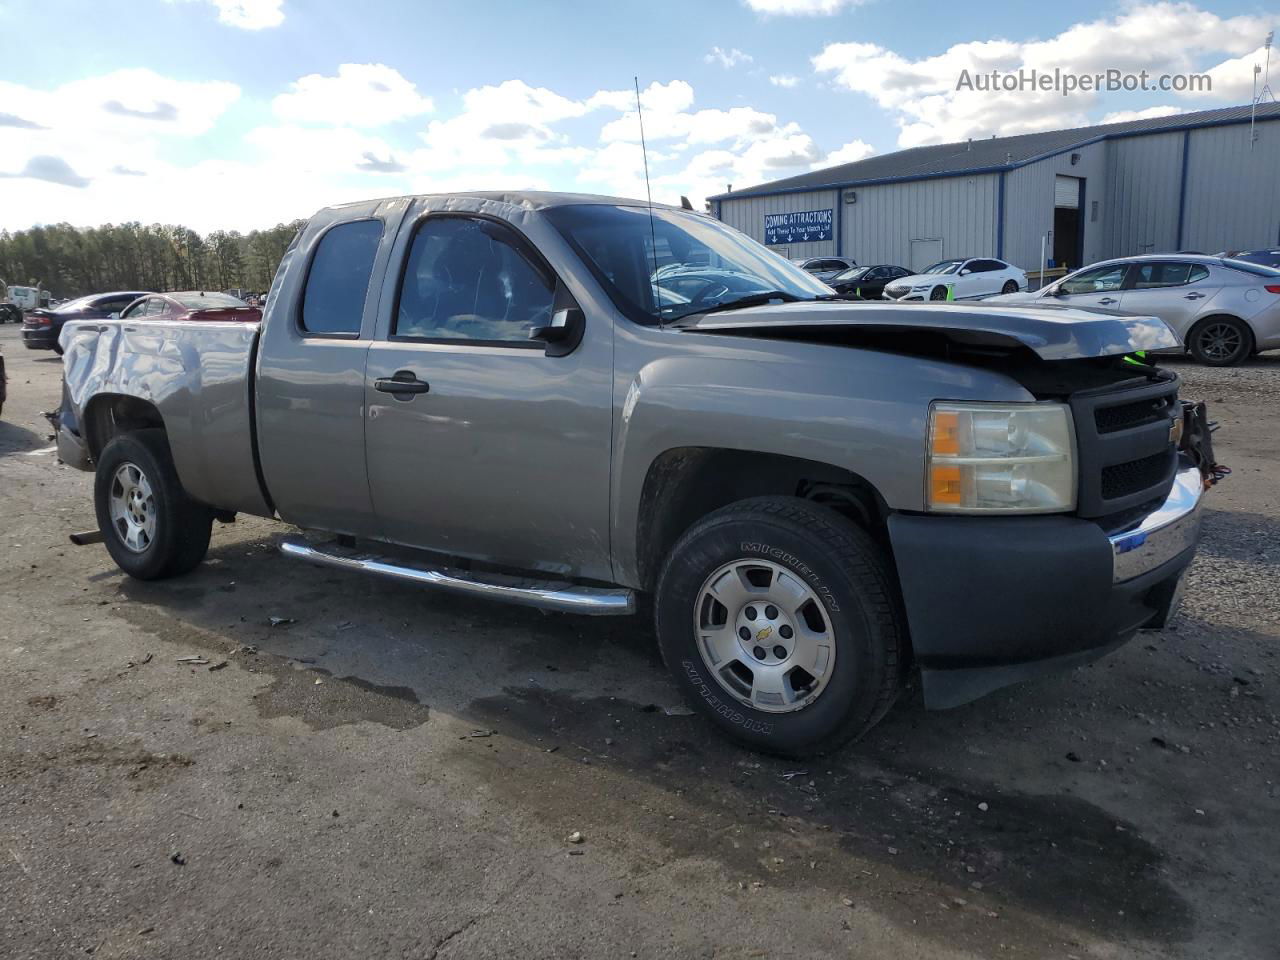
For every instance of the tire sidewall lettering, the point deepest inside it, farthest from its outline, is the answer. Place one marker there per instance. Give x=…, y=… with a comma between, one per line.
x=779, y=555
x=728, y=711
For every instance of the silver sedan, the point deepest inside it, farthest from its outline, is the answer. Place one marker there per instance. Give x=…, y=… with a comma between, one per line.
x=1223, y=310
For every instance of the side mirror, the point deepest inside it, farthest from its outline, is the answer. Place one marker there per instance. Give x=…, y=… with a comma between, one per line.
x=965, y=273
x=115, y=315
x=563, y=333
x=1057, y=291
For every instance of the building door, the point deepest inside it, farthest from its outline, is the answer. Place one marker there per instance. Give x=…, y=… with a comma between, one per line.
x=925, y=252
x=1068, y=228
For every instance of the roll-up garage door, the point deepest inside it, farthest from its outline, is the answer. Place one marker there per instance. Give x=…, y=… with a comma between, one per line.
x=1066, y=192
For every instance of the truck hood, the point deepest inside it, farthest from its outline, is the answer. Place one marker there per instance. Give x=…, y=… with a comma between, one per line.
x=1061, y=334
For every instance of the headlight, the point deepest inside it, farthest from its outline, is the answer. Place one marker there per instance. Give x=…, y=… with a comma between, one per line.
x=921, y=286
x=1000, y=458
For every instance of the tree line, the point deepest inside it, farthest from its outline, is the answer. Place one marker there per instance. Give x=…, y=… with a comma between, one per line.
x=74, y=261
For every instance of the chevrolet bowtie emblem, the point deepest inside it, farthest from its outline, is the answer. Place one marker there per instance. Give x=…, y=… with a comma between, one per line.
x=765, y=634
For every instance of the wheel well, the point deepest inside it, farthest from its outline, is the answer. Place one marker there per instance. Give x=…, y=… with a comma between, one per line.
x=111, y=414
x=685, y=484
x=1253, y=337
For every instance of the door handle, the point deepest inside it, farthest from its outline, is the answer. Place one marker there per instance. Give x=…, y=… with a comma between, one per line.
x=1193, y=296
x=402, y=385
x=1106, y=301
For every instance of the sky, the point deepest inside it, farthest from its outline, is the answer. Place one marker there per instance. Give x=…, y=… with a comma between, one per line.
x=236, y=114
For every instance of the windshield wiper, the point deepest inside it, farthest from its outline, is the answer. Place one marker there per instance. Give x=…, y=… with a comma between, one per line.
x=765, y=296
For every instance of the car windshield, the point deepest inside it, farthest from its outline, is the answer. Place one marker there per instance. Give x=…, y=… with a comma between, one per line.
x=207, y=301
x=642, y=262
x=944, y=266
x=1255, y=267
x=853, y=273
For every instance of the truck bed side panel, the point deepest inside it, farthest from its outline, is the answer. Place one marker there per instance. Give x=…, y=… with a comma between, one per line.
x=197, y=375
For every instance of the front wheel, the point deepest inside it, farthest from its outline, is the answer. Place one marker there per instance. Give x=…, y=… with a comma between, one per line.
x=1010, y=286
x=938, y=293
x=1221, y=342
x=151, y=528
x=779, y=620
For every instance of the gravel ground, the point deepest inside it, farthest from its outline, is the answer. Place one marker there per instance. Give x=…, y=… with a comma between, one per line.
x=398, y=774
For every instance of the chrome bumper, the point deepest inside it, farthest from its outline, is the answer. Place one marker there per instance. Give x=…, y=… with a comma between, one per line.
x=1164, y=533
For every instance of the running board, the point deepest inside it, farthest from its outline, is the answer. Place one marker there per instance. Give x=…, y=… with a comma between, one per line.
x=543, y=594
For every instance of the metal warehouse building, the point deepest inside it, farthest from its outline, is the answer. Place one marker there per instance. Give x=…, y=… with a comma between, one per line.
x=1203, y=181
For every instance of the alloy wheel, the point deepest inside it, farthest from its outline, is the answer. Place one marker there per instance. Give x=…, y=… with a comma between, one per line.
x=133, y=507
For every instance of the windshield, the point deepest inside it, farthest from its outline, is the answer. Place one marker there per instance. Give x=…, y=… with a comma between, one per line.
x=944, y=266
x=700, y=263
x=853, y=273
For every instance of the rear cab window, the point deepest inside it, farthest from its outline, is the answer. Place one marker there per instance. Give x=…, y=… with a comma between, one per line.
x=338, y=279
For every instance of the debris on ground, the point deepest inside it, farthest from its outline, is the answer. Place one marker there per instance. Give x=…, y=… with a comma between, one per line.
x=792, y=774
x=477, y=734
x=218, y=666
x=679, y=710
x=575, y=837
x=244, y=648
x=196, y=660
x=281, y=621
x=984, y=806
x=179, y=858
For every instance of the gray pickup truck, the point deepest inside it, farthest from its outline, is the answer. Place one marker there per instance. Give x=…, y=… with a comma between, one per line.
x=577, y=402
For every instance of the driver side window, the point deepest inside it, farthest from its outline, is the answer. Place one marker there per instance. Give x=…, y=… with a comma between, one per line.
x=466, y=280
x=1094, y=281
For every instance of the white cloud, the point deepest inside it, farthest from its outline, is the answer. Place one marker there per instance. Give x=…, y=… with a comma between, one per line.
x=1233, y=79
x=727, y=58
x=851, y=152
x=1124, y=116
x=784, y=80
x=248, y=14
x=1162, y=38
x=361, y=95
x=804, y=8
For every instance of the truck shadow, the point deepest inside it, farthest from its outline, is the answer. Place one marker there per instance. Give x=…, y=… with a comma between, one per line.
x=906, y=799
x=16, y=439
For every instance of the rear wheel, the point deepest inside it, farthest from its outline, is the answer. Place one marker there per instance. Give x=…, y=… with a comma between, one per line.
x=779, y=621
x=1010, y=286
x=151, y=528
x=1220, y=341
x=938, y=293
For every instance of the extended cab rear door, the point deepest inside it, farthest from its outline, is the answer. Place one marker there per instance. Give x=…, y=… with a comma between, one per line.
x=311, y=367
x=480, y=442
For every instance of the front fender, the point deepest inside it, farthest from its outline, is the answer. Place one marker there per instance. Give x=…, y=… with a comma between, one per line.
x=857, y=410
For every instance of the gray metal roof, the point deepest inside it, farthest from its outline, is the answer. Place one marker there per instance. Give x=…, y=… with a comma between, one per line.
x=951, y=159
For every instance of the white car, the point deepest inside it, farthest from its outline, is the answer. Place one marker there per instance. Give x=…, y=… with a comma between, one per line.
x=968, y=279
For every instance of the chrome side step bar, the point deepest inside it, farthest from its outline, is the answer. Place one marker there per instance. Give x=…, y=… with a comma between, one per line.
x=543, y=594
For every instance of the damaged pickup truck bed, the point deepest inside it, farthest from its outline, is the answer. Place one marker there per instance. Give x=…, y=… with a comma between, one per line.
x=572, y=402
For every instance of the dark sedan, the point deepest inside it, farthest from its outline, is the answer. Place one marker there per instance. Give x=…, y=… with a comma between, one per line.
x=1266, y=258
x=40, y=329
x=867, y=282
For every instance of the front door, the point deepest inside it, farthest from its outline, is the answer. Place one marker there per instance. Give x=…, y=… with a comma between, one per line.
x=478, y=442
x=1098, y=288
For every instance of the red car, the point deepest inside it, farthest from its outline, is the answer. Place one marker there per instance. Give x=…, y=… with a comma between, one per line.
x=191, y=305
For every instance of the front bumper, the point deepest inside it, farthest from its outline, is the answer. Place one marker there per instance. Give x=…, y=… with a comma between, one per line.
x=39, y=338
x=991, y=601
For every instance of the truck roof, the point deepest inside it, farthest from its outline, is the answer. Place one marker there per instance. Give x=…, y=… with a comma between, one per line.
x=530, y=199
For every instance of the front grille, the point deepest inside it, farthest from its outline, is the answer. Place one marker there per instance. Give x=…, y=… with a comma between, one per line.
x=1126, y=415
x=1127, y=457
x=1124, y=479
x=896, y=294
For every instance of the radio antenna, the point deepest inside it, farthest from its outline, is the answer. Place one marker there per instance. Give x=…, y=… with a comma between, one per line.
x=653, y=235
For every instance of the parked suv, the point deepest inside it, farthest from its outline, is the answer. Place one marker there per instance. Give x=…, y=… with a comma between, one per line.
x=41, y=328
x=489, y=394
x=1223, y=310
